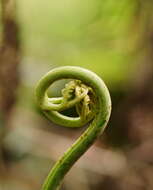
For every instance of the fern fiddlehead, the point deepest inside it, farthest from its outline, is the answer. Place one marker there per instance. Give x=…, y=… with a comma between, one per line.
x=88, y=93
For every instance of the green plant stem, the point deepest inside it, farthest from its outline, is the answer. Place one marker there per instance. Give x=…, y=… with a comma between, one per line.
x=96, y=127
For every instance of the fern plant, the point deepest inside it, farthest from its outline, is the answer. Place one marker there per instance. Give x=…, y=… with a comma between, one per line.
x=90, y=96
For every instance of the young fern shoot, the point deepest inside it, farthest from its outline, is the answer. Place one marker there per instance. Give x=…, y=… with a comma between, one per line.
x=88, y=93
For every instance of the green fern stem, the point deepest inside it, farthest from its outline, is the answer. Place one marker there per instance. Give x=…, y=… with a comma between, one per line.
x=88, y=93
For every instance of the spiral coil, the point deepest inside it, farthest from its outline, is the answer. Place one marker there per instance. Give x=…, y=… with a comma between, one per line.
x=90, y=96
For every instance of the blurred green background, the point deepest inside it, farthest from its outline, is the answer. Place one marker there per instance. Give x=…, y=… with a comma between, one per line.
x=112, y=38
x=93, y=34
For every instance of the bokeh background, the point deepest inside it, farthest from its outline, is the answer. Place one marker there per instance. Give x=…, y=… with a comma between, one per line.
x=112, y=38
